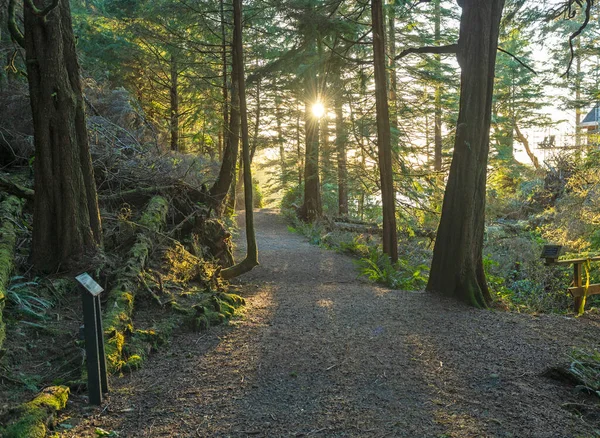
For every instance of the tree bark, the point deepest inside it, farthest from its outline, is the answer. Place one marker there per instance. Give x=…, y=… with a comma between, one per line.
x=311, y=208
x=225, y=108
x=437, y=133
x=340, y=142
x=251, y=259
x=66, y=220
x=388, y=200
x=174, y=95
x=280, y=142
x=393, y=98
x=227, y=172
x=457, y=266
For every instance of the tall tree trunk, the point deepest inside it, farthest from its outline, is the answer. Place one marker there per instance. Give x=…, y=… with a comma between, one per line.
x=457, y=266
x=340, y=142
x=388, y=200
x=392, y=92
x=251, y=259
x=299, y=163
x=174, y=95
x=278, y=120
x=311, y=208
x=523, y=140
x=578, y=94
x=241, y=179
x=437, y=134
x=227, y=172
x=66, y=220
x=225, y=109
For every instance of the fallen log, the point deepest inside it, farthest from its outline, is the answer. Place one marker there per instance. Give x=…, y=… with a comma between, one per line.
x=10, y=211
x=32, y=419
x=356, y=228
x=117, y=319
x=15, y=189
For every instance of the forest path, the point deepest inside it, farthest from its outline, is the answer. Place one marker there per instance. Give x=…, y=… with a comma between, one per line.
x=320, y=353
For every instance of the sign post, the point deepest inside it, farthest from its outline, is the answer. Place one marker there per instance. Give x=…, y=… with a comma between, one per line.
x=94, y=338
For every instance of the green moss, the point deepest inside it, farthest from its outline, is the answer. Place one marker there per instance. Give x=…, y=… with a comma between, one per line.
x=154, y=216
x=33, y=418
x=10, y=210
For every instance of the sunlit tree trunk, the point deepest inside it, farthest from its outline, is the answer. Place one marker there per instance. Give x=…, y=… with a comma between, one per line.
x=388, y=200
x=280, y=141
x=457, y=266
x=311, y=208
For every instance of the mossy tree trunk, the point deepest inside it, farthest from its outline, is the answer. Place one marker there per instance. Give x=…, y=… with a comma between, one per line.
x=66, y=220
x=10, y=211
x=457, y=266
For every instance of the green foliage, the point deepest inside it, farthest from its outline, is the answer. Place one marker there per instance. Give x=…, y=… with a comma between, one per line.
x=402, y=275
x=585, y=367
x=22, y=296
x=32, y=418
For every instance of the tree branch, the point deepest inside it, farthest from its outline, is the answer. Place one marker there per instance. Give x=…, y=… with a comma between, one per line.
x=588, y=7
x=500, y=49
x=42, y=12
x=13, y=29
x=449, y=49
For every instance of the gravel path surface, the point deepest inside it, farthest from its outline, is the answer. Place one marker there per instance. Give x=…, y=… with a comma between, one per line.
x=322, y=353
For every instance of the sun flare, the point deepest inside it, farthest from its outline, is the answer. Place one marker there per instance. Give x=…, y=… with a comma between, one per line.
x=318, y=109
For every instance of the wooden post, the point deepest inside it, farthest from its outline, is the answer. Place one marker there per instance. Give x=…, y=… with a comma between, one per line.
x=577, y=283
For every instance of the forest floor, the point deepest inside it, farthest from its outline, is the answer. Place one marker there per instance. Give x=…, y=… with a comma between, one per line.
x=322, y=353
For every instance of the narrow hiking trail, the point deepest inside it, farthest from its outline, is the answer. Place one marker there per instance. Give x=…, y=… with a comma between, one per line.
x=322, y=353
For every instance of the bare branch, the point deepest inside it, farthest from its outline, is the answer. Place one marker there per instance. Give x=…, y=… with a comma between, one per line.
x=518, y=60
x=42, y=12
x=449, y=49
x=14, y=30
x=588, y=7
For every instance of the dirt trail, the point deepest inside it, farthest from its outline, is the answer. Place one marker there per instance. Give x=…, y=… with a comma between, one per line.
x=321, y=353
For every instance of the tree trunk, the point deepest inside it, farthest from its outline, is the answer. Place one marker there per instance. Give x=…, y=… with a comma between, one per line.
x=66, y=220
x=280, y=142
x=251, y=259
x=225, y=97
x=174, y=95
x=393, y=98
x=227, y=172
x=457, y=267
x=437, y=134
x=523, y=140
x=299, y=163
x=388, y=200
x=311, y=208
x=340, y=142
x=578, y=94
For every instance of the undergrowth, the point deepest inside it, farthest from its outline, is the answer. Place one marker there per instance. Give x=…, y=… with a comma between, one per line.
x=408, y=273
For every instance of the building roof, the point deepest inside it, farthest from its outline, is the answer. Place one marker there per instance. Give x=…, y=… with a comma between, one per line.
x=592, y=118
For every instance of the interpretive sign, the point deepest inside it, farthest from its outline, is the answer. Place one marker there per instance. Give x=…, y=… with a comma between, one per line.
x=89, y=284
x=94, y=338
